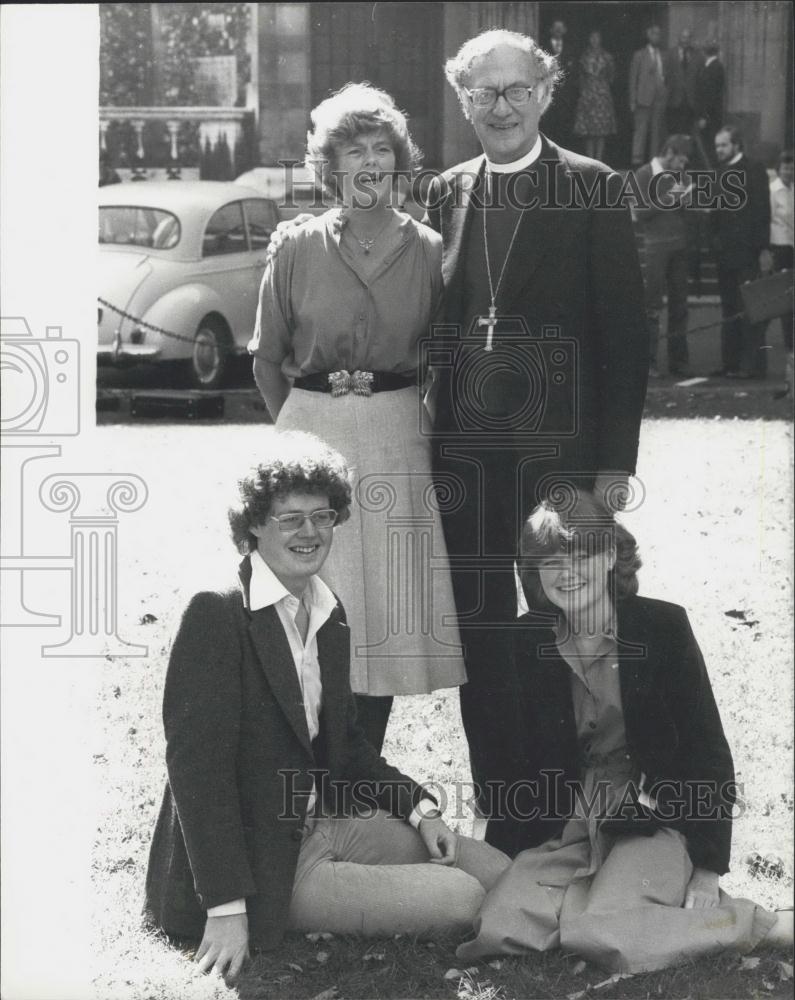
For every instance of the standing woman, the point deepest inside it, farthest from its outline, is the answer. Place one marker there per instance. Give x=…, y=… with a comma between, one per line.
x=342, y=309
x=624, y=783
x=595, y=117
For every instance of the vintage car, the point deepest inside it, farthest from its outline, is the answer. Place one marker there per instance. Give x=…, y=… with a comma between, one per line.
x=180, y=270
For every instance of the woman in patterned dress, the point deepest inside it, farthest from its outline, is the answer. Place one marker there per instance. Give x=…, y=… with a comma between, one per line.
x=343, y=307
x=595, y=116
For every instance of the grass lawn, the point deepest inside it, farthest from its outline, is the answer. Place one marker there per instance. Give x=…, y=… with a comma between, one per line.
x=716, y=535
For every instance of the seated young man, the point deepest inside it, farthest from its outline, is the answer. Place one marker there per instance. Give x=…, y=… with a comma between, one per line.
x=278, y=815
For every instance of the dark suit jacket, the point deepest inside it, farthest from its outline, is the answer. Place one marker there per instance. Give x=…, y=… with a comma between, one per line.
x=681, y=82
x=740, y=233
x=673, y=730
x=237, y=741
x=710, y=83
x=575, y=267
x=659, y=224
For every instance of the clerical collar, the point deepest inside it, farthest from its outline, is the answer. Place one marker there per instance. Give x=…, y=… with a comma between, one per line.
x=736, y=158
x=516, y=165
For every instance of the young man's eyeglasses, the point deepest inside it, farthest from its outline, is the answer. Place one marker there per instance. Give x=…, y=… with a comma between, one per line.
x=292, y=522
x=487, y=97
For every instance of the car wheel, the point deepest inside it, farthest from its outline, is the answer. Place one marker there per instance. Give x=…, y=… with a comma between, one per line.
x=209, y=355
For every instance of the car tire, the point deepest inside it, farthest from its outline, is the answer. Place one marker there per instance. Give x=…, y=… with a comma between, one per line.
x=210, y=354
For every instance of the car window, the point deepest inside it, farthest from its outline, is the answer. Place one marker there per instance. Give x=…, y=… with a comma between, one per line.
x=261, y=218
x=225, y=232
x=137, y=225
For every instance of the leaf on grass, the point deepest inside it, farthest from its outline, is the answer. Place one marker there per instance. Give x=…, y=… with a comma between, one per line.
x=460, y=973
x=496, y=963
x=330, y=994
x=315, y=936
x=784, y=970
x=322, y=957
x=606, y=983
x=578, y=995
x=768, y=985
x=294, y=967
x=147, y=619
x=579, y=968
x=747, y=964
x=374, y=956
x=734, y=613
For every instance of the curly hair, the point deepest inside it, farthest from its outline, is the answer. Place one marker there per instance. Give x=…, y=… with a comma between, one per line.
x=585, y=524
x=357, y=109
x=544, y=66
x=296, y=463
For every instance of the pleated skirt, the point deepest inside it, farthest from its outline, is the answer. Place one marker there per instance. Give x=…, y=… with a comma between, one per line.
x=388, y=563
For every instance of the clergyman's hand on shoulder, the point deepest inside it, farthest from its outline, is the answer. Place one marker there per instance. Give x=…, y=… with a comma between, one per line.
x=283, y=228
x=224, y=947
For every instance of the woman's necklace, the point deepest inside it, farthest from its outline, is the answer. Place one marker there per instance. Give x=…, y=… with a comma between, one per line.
x=368, y=244
x=490, y=321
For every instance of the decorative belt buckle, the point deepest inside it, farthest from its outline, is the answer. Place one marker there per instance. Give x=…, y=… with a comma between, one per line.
x=359, y=383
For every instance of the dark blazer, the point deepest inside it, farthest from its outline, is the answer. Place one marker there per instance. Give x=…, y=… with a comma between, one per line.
x=681, y=81
x=659, y=224
x=573, y=266
x=740, y=233
x=673, y=730
x=709, y=95
x=236, y=744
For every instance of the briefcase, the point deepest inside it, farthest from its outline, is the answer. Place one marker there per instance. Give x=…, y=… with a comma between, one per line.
x=767, y=297
x=174, y=403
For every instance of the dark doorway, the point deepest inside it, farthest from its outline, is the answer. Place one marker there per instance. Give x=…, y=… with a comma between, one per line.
x=623, y=27
x=395, y=46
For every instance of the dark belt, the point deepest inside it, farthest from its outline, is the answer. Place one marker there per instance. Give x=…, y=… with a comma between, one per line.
x=360, y=383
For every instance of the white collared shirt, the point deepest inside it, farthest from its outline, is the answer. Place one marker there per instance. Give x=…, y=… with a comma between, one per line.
x=781, y=213
x=266, y=590
x=656, y=166
x=516, y=165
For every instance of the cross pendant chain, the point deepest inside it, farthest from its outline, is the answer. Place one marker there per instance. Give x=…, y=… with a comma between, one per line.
x=489, y=321
x=366, y=245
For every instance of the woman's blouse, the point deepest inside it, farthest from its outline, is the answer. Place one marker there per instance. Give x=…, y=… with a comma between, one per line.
x=318, y=312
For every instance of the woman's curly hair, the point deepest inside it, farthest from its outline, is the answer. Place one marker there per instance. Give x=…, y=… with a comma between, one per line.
x=356, y=109
x=561, y=528
x=296, y=463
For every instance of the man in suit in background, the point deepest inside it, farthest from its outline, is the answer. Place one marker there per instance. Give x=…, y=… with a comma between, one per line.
x=709, y=97
x=661, y=217
x=543, y=359
x=647, y=96
x=740, y=234
x=559, y=116
x=681, y=67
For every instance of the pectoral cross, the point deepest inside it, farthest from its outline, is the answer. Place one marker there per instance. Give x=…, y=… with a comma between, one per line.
x=489, y=321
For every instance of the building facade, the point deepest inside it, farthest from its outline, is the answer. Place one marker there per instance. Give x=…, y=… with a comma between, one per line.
x=283, y=58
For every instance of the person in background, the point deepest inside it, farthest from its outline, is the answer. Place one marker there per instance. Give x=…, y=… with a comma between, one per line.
x=559, y=117
x=278, y=814
x=681, y=68
x=778, y=256
x=647, y=96
x=740, y=233
x=107, y=174
x=342, y=309
x=624, y=781
x=661, y=216
x=709, y=97
x=595, y=118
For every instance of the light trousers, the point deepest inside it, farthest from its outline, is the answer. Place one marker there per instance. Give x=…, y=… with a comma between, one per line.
x=371, y=875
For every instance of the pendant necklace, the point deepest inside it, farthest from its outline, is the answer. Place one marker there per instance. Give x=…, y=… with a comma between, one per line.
x=490, y=321
x=365, y=244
